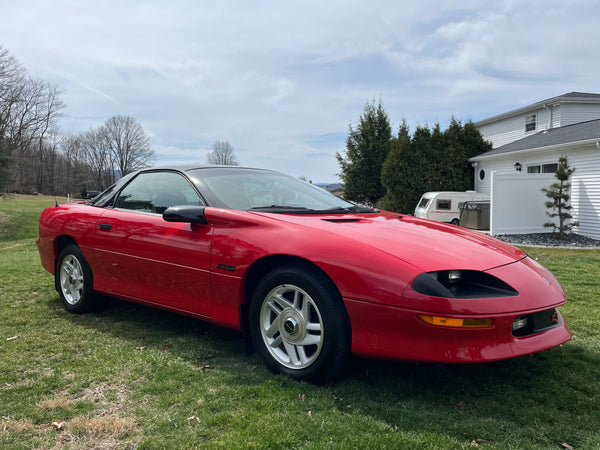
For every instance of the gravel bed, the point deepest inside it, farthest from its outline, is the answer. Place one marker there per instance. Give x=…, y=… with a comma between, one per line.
x=570, y=240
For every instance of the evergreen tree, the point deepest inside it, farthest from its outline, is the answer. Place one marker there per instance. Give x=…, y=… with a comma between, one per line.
x=367, y=147
x=462, y=143
x=559, y=196
x=436, y=165
x=430, y=160
x=398, y=161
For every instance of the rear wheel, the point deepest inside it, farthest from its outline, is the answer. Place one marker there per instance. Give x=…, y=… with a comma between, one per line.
x=74, y=280
x=299, y=324
x=455, y=222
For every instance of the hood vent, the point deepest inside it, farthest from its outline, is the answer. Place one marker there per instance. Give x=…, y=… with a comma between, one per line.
x=348, y=220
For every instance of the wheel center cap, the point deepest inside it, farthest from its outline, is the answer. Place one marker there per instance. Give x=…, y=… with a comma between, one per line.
x=290, y=326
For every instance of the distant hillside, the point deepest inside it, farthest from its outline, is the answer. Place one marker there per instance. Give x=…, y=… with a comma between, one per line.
x=334, y=188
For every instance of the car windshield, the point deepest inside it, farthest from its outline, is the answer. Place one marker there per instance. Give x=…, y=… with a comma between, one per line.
x=266, y=191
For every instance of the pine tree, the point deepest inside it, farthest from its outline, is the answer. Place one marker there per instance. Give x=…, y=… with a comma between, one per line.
x=429, y=160
x=398, y=161
x=558, y=193
x=367, y=147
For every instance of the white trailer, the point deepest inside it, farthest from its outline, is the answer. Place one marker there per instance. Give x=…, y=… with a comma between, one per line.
x=445, y=206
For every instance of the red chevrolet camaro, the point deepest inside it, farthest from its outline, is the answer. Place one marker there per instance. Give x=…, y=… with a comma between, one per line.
x=310, y=278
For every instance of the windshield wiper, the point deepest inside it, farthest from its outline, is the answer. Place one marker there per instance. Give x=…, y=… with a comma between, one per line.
x=347, y=209
x=279, y=208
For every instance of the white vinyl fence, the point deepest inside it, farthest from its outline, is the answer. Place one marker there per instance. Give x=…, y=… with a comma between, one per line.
x=517, y=202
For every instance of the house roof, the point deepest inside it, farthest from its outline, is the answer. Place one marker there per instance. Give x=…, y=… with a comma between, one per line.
x=577, y=132
x=569, y=97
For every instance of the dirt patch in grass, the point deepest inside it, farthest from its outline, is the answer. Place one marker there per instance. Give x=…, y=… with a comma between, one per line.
x=11, y=246
x=16, y=426
x=56, y=403
x=110, y=399
x=104, y=426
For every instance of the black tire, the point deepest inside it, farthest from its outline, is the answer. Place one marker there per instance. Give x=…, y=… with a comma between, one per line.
x=73, y=279
x=455, y=222
x=299, y=324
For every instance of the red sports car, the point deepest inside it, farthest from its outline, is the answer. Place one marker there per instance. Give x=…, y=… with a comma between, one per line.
x=309, y=277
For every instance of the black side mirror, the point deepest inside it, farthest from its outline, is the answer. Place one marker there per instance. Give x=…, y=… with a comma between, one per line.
x=187, y=214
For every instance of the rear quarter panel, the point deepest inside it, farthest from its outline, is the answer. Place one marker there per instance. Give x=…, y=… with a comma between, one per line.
x=73, y=220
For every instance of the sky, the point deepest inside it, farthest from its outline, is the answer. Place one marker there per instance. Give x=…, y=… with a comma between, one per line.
x=282, y=81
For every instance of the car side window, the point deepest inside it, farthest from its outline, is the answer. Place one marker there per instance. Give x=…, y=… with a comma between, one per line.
x=153, y=192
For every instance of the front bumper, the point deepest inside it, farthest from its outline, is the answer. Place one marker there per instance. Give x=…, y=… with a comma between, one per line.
x=387, y=332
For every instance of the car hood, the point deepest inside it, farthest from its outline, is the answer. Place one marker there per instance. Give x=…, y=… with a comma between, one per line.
x=425, y=244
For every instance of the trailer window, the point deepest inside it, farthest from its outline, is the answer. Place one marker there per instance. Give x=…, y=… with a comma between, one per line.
x=424, y=202
x=444, y=204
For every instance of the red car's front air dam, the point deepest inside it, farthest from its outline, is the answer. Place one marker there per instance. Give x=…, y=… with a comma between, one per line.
x=394, y=333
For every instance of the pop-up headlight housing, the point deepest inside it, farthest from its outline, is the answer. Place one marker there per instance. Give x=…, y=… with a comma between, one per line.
x=462, y=284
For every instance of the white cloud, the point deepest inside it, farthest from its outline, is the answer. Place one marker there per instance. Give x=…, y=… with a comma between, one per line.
x=272, y=76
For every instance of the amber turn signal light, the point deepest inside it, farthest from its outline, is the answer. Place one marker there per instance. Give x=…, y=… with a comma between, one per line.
x=456, y=323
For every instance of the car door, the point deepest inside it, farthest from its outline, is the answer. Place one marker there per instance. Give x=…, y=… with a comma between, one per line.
x=137, y=254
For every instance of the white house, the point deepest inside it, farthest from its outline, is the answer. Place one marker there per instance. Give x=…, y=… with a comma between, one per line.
x=527, y=143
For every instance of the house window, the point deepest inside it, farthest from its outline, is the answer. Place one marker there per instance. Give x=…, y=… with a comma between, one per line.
x=482, y=174
x=542, y=168
x=444, y=204
x=530, y=122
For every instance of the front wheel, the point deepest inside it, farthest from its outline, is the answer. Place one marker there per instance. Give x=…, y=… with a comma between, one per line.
x=299, y=324
x=74, y=280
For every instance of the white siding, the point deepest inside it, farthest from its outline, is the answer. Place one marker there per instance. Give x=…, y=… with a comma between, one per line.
x=504, y=131
x=577, y=112
x=512, y=129
x=499, y=164
x=556, y=116
x=585, y=191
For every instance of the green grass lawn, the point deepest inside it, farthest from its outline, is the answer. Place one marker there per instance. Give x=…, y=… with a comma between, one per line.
x=129, y=376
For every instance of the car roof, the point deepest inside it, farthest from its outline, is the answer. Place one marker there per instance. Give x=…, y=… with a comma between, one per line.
x=188, y=167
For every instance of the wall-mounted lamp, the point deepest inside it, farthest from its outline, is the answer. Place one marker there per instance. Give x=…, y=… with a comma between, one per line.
x=518, y=166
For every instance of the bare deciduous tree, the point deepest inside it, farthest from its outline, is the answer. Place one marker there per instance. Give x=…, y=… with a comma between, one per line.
x=127, y=142
x=29, y=109
x=12, y=76
x=98, y=158
x=222, y=154
x=74, y=174
x=116, y=148
x=33, y=155
x=47, y=137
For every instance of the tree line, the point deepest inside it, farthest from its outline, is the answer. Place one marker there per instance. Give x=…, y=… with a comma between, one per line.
x=393, y=171
x=35, y=156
